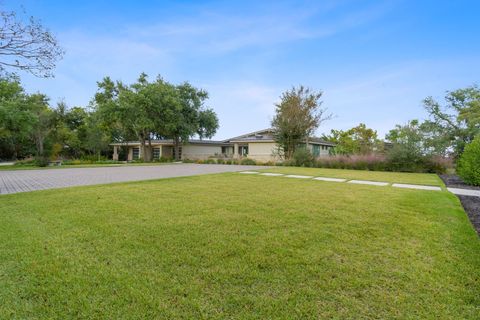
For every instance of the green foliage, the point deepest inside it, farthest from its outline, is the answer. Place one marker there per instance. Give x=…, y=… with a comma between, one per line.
x=302, y=157
x=407, y=153
x=468, y=167
x=41, y=161
x=248, y=161
x=357, y=140
x=296, y=118
x=457, y=122
x=146, y=110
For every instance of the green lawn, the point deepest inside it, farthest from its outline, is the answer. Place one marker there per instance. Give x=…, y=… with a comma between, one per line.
x=233, y=246
x=392, y=177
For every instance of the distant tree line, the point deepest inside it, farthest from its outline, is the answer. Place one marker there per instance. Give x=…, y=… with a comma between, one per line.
x=412, y=146
x=144, y=111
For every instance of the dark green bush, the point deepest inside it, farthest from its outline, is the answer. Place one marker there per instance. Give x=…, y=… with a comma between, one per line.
x=220, y=161
x=41, y=161
x=25, y=163
x=468, y=167
x=247, y=161
x=302, y=157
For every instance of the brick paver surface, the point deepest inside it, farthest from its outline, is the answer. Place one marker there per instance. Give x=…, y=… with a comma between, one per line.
x=14, y=181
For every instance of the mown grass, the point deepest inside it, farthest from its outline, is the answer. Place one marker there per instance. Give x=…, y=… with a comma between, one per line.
x=237, y=246
x=392, y=177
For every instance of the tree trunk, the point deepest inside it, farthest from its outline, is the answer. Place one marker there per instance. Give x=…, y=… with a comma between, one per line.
x=39, y=144
x=150, y=154
x=143, y=145
x=177, y=148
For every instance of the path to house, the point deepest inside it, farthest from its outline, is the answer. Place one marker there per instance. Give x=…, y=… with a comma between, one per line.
x=14, y=181
x=457, y=191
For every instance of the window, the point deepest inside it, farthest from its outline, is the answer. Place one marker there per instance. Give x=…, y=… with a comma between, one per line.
x=135, y=153
x=243, y=150
x=225, y=150
x=156, y=153
x=316, y=150
x=179, y=152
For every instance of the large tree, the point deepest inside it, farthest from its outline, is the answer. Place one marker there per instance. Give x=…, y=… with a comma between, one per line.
x=357, y=140
x=154, y=109
x=42, y=120
x=126, y=108
x=15, y=120
x=27, y=45
x=187, y=116
x=297, y=117
x=455, y=123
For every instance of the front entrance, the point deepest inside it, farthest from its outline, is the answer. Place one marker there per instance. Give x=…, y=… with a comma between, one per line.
x=243, y=151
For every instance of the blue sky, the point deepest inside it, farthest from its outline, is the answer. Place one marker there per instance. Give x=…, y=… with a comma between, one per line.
x=374, y=60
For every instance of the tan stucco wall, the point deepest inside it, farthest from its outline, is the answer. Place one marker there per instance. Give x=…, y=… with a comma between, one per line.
x=167, y=151
x=262, y=151
x=199, y=152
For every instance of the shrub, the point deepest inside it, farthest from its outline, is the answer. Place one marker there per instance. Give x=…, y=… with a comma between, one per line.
x=92, y=158
x=209, y=161
x=302, y=157
x=220, y=161
x=247, y=161
x=468, y=166
x=25, y=162
x=437, y=164
x=374, y=162
x=41, y=161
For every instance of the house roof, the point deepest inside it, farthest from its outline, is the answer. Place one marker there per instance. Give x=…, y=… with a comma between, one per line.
x=260, y=135
x=170, y=141
x=315, y=140
x=265, y=135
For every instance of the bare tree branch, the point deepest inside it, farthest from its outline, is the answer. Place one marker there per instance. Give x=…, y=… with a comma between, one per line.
x=27, y=46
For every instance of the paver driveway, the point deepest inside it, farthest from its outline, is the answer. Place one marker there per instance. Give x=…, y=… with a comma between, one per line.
x=28, y=180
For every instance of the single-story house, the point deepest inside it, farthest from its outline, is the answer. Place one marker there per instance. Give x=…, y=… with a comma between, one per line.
x=258, y=145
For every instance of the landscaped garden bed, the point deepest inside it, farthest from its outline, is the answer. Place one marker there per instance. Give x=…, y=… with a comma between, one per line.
x=470, y=204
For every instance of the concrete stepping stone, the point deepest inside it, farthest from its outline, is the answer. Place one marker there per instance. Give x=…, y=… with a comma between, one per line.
x=298, y=176
x=416, y=186
x=250, y=172
x=271, y=174
x=372, y=183
x=464, y=192
x=330, y=179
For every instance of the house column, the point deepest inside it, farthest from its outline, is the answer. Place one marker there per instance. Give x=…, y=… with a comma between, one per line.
x=115, y=153
x=235, y=150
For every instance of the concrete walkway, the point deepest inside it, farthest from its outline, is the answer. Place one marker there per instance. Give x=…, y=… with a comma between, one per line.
x=13, y=181
x=457, y=191
x=464, y=192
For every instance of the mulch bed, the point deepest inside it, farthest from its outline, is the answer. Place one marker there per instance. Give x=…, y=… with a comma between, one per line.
x=470, y=204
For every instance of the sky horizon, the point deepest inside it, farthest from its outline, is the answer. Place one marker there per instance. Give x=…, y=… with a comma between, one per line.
x=375, y=61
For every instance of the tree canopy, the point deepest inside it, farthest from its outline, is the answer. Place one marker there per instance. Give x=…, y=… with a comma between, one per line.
x=357, y=140
x=455, y=123
x=297, y=117
x=158, y=109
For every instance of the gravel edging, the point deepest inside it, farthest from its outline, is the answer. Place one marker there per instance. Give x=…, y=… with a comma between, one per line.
x=470, y=204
